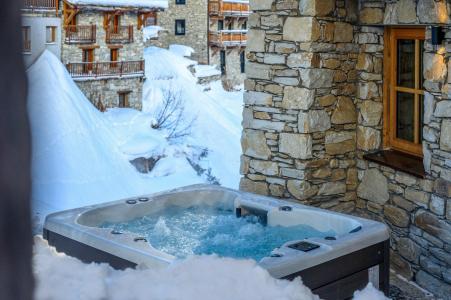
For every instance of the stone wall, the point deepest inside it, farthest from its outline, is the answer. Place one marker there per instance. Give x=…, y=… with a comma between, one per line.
x=314, y=107
x=233, y=75
x=195, y=14
x=106, y=91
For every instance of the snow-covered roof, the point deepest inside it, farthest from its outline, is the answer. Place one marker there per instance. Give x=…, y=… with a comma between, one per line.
x=161, y=4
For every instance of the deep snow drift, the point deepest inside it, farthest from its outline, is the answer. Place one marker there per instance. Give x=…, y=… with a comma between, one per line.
x=196, y=278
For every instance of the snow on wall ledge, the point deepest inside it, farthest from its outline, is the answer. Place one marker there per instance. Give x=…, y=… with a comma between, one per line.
x=196, y=278
x=163, y=4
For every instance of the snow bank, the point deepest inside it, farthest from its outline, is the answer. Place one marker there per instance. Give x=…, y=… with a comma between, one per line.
x=181, y=50
x=206, y=71
x=218, y=113
x=151, y=32
x=196, y=278
x=124, y=3
x=80, y=156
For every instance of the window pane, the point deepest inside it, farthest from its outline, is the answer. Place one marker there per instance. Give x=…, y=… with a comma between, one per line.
x=406, y=63
x=421, y=64
x=405, y=125
x=48, y=34
x=421, y=116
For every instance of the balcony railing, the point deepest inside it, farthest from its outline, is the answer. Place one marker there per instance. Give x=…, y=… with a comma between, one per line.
x=81, y=34
x=228, y=9
x=106, y=69
x=119, y=34
x=41, y=4
x=229, y=38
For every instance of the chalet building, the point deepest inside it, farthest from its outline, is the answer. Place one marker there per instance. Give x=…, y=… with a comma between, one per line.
x=41, y=29
x=215, y=29
x=348, y=107
x=101, y=44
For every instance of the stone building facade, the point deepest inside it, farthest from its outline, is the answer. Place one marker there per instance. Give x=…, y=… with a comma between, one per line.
x=103, y=49
x=317, y=119
x=195, y=15
x=200, y=26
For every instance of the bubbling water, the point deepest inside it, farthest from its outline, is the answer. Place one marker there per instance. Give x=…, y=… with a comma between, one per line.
x=199, y=230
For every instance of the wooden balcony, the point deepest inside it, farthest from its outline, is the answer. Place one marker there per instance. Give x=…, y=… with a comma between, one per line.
x=119, y=34
x=101, y=70
x=81, y=34
x=224, y=8
x=41, y=5
x=228, y=38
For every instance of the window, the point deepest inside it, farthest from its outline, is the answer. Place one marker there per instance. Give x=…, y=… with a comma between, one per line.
x=114, y=54
x=26, y=42
x=123, y=99
x=178, y=2
x=179, y=27
x=404, y=92
x=242, y=62
x=220, y=25
x=50, y=34
x=222, y=57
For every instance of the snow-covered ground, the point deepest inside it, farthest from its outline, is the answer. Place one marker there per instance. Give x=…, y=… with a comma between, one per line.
x=60, y=277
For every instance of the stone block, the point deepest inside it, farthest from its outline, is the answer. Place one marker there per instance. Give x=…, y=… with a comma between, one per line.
x=434, y=67
x=301, y=190
x=432, y=11
x=257, y=98
x=396, y=216
x=264, y=167
x=303, y=60
x=344, y=112
x=255, y=40
x=297, y=98
x=317, y=78
x=368, y=138
x=437, y=205
x=296, y=145
x=255, y=187
x=432, y=283
x=433, y=225
x=443, y=109
x=310, y=29
x=371, y=15
x=409, y=250
x=371, y=113
x=340, y=142
x=332, y=188
x=260, y=4
x=258, y=71
x=313, y=121
x=253, y=143
x=406, y=11
x=419, y=197
x=374, y=187
x=445, y=136
x=316, y=8
x=343, y=33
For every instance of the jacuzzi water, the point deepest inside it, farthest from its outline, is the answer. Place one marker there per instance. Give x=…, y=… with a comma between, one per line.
x=202, y=230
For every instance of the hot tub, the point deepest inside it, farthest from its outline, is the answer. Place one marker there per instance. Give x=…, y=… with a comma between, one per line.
x=337, y=255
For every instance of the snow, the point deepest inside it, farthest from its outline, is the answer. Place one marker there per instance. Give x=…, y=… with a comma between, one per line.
x=202, y=71
x=81, y=156
x=151, y=32
x=181, y=50
x=195, y=278
x=163, y=4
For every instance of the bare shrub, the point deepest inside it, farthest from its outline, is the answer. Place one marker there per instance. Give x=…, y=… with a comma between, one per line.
x=171, y=116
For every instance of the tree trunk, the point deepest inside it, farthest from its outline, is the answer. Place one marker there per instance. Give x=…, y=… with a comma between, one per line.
x=16, y=279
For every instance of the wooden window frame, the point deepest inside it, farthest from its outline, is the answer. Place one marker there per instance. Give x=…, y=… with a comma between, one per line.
x=390, y=140
x=53, y=34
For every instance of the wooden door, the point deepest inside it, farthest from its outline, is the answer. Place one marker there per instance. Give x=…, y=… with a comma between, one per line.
x=88, y=58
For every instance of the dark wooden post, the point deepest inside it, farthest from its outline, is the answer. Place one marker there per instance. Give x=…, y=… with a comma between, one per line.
x=16, y=279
